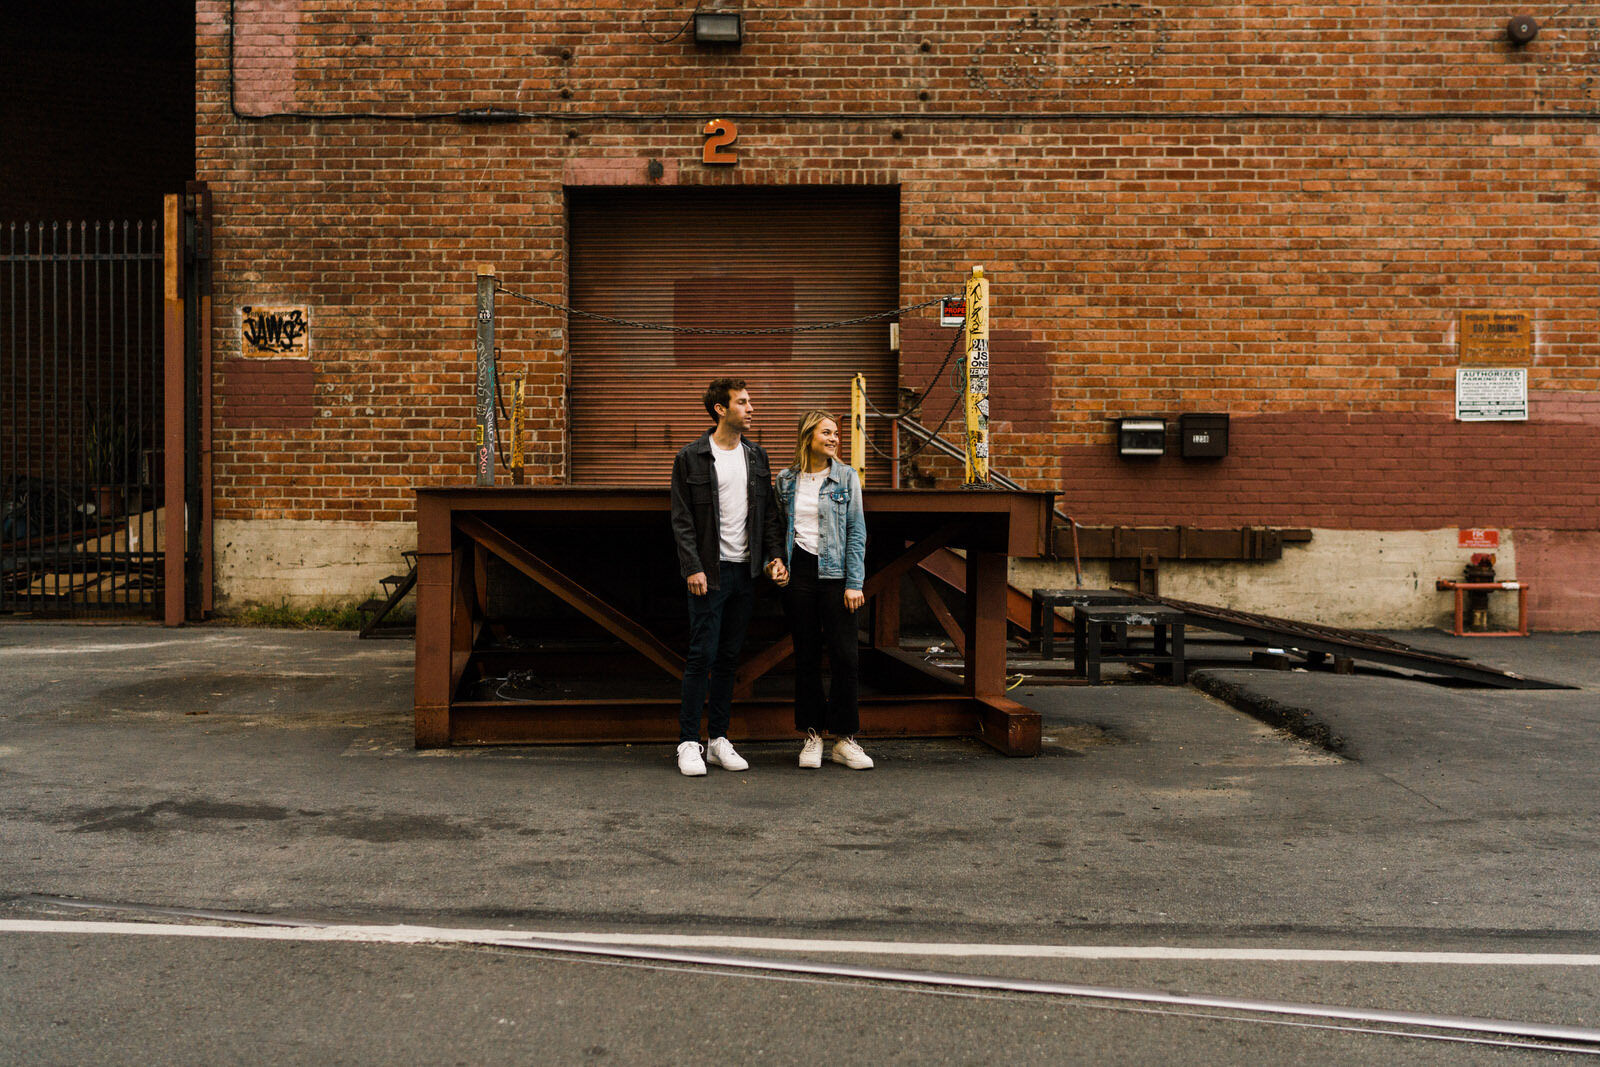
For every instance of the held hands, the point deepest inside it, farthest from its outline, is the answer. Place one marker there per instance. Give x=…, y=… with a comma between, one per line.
x=853, y=599
x=697, y=583
x=777, y=572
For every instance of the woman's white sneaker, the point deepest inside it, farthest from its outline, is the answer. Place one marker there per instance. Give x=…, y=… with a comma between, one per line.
x=721, y=752
x=689, y=761
x=811, y=753
x=847, y=752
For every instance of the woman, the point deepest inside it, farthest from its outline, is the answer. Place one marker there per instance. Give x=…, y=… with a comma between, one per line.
x=826, y=550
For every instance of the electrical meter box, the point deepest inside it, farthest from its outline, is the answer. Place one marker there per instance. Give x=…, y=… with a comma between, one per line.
x=1203, y=435
x=1141, y=437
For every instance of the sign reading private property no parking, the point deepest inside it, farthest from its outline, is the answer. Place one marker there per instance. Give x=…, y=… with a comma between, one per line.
x=1494, y=339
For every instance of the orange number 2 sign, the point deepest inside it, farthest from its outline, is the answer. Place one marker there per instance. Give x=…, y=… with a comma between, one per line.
x=720, y=133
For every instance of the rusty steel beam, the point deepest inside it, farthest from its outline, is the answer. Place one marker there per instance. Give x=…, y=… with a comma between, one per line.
x=612, y=721
x=941, y=611
x=571, y=593
x=759, y=664
x=951, y=569
x=458, y=528
x=985, y=618
x=1181, y=542
x=1009, y=727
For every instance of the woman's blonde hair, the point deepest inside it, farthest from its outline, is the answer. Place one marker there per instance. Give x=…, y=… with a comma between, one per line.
x=808, y=426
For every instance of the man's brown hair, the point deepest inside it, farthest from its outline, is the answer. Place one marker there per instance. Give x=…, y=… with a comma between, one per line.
x=718, y=392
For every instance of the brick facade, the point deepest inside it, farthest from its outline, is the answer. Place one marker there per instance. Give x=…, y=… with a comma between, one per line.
x=1276, y=211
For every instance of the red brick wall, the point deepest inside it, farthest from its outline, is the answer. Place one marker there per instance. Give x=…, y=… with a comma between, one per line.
x=1153, y=247
x=340, y=55
x=1354, y=470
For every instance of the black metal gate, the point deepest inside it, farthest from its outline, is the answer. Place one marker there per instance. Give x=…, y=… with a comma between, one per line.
x=82, y=525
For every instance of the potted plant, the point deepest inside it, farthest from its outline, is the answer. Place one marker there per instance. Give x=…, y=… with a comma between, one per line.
x=110, y=459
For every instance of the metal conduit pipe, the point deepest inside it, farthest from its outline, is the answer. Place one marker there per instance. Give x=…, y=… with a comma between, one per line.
x=938, y=443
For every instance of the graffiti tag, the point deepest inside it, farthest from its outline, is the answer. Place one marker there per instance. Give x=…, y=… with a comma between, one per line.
x=274, y=331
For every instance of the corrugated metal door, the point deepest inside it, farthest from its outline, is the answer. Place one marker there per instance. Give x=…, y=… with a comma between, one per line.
x=721, y=257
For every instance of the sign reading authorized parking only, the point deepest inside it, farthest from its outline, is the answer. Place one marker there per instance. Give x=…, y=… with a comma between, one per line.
x=1491, y=394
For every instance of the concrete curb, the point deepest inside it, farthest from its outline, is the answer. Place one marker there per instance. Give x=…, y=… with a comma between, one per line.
x=1233, y=688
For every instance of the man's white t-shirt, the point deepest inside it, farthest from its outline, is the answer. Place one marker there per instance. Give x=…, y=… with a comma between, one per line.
x=733, y=502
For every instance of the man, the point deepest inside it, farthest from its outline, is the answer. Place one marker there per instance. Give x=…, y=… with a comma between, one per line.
x=725, y=523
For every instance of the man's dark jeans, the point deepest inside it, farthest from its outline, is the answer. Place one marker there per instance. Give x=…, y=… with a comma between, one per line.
x=717, y=623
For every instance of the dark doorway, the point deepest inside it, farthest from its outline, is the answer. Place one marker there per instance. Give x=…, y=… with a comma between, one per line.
x=98, y=126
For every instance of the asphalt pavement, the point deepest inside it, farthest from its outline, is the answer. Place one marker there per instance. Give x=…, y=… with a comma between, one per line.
x=1441, y=861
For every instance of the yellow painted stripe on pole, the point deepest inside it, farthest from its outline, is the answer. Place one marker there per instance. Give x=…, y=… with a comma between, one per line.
x=858, y=425
x=977, y=378
x=519, y=394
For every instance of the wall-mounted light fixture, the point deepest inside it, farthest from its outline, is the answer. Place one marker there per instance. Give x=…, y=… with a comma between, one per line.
x=1141, y=437
x=1522, y=29
x=718, y=27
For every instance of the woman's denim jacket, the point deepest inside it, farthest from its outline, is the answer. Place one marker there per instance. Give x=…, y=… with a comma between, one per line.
x=841, y=523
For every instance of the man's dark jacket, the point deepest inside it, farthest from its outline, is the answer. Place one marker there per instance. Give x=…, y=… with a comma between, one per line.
x=696, y=521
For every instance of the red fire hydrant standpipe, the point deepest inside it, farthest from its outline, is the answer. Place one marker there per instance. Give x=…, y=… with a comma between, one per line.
x=1472, y=599
x=1479, y=569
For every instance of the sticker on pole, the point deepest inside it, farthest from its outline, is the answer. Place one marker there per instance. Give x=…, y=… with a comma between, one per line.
x=953, y=311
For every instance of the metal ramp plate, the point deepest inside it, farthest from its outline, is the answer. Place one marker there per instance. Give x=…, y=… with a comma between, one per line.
x=1352, y=644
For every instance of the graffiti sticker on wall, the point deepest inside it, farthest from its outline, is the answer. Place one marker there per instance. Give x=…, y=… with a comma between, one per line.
x=274, y=332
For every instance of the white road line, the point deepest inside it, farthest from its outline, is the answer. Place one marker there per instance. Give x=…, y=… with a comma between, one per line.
x=132, y=646
x=412, y=935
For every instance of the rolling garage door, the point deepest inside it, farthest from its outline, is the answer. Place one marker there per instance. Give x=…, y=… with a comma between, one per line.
x=760, y=258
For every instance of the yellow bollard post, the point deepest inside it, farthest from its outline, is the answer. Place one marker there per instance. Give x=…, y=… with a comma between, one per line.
x=858, y=425
x=977, y=379
x=519, y=396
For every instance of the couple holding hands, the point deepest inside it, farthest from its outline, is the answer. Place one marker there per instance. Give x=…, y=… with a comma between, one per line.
x=809, y=536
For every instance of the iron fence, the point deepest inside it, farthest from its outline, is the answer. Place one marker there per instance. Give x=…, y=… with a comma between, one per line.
x=81, y=527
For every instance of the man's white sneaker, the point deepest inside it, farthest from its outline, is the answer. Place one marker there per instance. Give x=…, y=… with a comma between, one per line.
x=847, y=752
x=689, y=761
x=811, y=754
x=721, y=752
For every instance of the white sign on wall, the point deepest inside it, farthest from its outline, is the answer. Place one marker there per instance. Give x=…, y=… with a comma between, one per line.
x=1491, y=394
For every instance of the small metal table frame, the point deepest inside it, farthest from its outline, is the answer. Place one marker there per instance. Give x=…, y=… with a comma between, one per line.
x=1042, y=626
x=1089, y=622
x=1463, y=588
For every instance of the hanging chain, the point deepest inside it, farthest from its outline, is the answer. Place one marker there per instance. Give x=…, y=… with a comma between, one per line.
x=720, y=330
x=765, y=331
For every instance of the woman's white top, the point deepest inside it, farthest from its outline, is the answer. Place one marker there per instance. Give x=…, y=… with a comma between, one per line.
x=808, y=487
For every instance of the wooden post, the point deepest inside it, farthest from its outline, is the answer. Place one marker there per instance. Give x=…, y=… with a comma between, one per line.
x=176, y=543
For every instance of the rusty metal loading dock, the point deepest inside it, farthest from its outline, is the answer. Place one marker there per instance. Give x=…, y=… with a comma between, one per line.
x=605, y=553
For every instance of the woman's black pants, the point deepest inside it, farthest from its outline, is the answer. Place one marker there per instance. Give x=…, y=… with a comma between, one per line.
x=820, y=622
